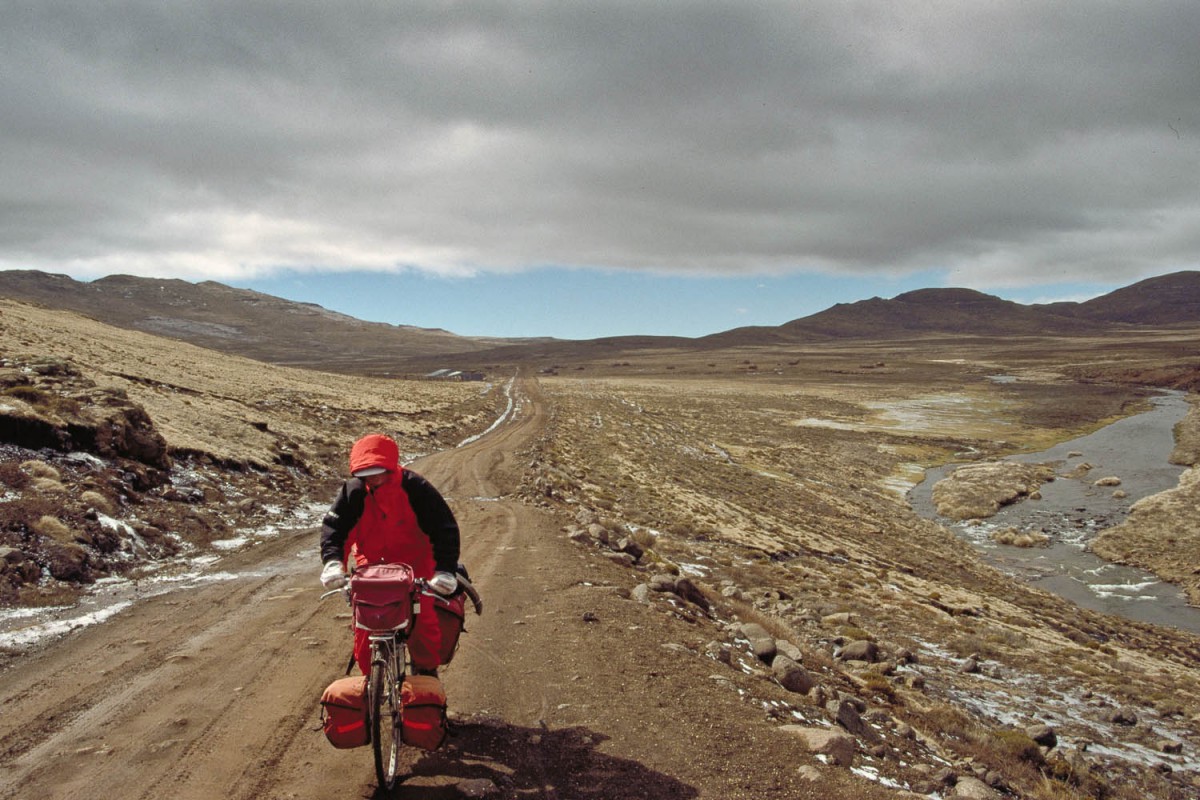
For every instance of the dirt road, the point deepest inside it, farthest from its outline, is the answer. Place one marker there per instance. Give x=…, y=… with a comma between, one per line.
x=213, y=692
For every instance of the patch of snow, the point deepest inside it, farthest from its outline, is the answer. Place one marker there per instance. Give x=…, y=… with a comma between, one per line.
x=230, y=544
x=872, y=774
x=36, y=633
x=504, y=417
x=86, y=458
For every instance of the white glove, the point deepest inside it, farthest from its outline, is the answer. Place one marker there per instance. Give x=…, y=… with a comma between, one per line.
x=443, y=583
x=333, y=576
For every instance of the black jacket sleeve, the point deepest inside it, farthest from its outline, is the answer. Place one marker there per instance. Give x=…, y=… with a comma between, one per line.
x=343, y=515
x=435, y=518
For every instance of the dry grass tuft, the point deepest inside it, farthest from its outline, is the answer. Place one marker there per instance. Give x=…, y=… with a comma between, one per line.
x=40, y=469
x=53, y=528
x=97, y=501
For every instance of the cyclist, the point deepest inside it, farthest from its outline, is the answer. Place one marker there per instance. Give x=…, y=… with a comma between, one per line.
x=386, y=514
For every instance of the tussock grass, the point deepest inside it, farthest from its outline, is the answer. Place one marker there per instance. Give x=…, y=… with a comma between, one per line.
x=53, y=528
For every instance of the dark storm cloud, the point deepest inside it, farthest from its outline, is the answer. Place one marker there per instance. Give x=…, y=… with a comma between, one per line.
x=1013, y=142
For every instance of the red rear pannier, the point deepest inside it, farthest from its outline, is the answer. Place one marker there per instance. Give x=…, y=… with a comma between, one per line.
x=382, y=596
x=423, y=716
x=344, y=712
x=450, y=612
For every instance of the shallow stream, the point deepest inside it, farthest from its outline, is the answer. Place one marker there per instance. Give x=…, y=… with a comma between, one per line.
x=1073, y=510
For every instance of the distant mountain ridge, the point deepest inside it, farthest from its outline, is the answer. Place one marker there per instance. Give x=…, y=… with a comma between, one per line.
x=1166, y=300
x=239, y=321
x=281, y=331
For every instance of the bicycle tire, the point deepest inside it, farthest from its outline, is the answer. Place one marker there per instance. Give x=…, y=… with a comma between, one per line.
x=384, y=696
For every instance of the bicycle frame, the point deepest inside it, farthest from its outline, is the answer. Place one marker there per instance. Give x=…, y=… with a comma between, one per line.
x=383, y=706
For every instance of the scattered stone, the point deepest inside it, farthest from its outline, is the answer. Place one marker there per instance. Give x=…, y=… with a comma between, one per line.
x=589, y=616
x=662, y=583
x=841, y=618
x=598, y=532
x=1122, y=716
x=629, y=546
x=691, y=593
x=860, y=650
x=836, y=745
x=946, y=777
x=786, y=648
x=719, y=651
x=969, y=667
x=791, y=675
x=850, y=719
x=810, y=773
x=623, y=559
x=1044, y=735
x=477, y=787
x=1111, y=480
x=762, y=644
x=641, y=593
x=974, y=788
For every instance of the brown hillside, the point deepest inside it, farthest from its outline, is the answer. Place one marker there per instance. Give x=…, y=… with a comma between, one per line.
x=238, y=321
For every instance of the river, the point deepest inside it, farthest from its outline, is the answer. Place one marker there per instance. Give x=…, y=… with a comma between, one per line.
x=1073, y=511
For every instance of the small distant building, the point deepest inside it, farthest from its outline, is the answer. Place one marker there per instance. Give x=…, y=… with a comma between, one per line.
x=454, y=375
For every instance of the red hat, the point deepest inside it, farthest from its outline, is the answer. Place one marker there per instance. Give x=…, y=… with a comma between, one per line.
x=373, y=454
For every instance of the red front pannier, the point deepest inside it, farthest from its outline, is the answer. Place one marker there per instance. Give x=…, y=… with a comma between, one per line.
x=344, y=712
x=381, y=595
x=423, y=714
x=450, y=612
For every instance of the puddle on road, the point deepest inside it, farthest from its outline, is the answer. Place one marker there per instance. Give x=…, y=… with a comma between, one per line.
x=1073, y=511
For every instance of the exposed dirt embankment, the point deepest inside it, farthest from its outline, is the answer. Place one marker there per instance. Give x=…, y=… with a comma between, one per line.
x=120, y=450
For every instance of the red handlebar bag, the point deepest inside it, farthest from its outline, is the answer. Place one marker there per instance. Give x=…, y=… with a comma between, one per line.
x=381, y=595
x=423, y=712
x=344, y=712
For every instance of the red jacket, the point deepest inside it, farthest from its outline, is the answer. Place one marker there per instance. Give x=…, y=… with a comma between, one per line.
x=403, y=520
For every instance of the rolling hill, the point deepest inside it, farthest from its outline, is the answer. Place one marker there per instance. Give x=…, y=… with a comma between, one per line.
x=283, y=332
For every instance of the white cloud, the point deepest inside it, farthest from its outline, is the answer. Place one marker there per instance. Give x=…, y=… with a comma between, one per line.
x=1010, y=141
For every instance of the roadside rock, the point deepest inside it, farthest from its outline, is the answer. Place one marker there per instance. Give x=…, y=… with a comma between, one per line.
x=1043, y=735
x=861, y=650
x=974, y=788
x=762, y=644
x=836, y=745
x=791, y=675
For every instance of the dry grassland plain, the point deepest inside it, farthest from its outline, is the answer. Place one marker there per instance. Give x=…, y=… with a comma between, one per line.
x=777, y=477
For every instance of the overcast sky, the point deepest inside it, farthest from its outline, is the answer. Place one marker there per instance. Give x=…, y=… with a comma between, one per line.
x=1029, y=149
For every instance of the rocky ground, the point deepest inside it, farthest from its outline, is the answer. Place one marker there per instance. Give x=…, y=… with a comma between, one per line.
x=119, y=451
x=701, y=575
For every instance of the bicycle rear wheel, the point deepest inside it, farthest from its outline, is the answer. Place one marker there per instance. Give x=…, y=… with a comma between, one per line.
x=384, y=697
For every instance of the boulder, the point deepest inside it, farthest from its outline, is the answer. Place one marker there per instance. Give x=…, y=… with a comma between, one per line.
x=691, y=593
x=974, y=788
x=861, y=650
x=791, y=675
x=1122, y=716
x=762, y=644
x=823, y=741
x=1043, y=735
x=631, y=547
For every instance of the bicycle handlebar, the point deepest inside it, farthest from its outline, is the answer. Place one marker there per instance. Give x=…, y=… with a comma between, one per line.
x=464, y=585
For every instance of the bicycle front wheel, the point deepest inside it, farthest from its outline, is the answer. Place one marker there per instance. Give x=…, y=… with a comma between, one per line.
x=384, y=697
